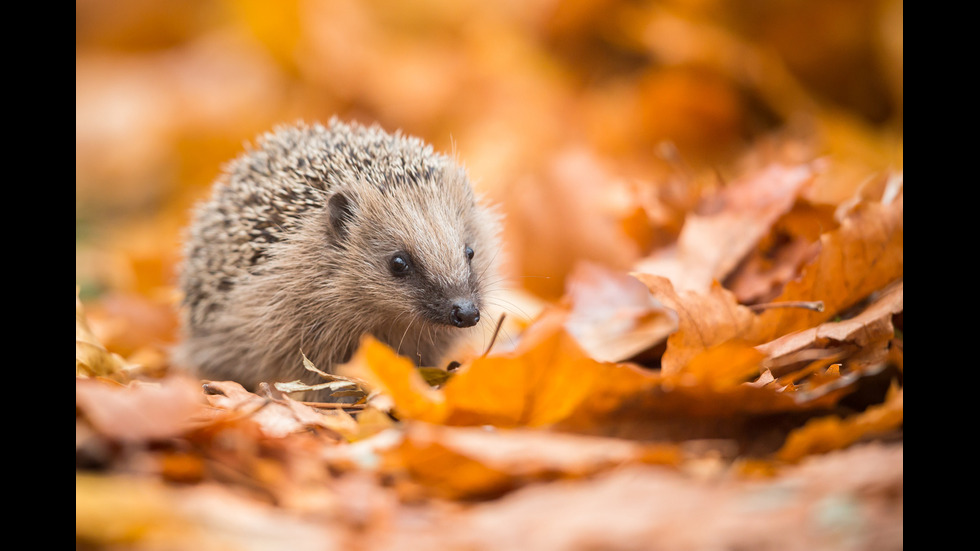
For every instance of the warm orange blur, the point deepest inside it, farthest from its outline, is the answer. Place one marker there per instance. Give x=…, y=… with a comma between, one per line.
x=593, y=123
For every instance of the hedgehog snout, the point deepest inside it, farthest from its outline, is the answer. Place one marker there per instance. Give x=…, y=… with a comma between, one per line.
x=464, y=313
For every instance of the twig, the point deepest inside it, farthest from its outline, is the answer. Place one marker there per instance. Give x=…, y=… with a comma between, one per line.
x=816, y=306
x=333, y=405
x=496, y=332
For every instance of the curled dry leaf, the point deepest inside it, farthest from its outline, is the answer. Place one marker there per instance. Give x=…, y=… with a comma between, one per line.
x=277, y=418
x=873, y=325
x=705, y=320
x=779, y=256
x=726, y=227
x=862, y=256
x=340, y=387
x=614, y=316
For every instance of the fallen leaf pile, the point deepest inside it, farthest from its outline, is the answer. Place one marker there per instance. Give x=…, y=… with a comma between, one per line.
x=699, y=341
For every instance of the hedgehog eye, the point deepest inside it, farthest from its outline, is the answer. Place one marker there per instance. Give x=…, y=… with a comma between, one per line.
x=469, y=253
x=399, y=264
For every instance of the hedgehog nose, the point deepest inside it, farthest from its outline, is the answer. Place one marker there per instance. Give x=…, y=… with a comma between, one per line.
x=464, y=314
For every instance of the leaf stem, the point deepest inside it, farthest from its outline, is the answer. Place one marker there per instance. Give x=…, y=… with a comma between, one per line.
x=816, y=306
x=496, y=332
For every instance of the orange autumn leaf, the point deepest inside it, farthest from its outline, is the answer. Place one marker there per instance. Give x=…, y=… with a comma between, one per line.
x=832, y=433
x=539, y=385
x=727, y=226
x=704, y=320
x=862, y=256
x=544, y=380
x=91, y=357
x=465, y=462
x=725, y=365
x=382, y=368
x=872, y=325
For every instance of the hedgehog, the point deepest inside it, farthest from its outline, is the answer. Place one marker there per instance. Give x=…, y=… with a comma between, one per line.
x=320, y=235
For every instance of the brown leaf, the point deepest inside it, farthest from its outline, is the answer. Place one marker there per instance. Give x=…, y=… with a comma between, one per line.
x=832, y=433
x=862, y=256
x=726, y=227
x=704, y=320
x=140, y=411
x=613, y=315
x=871, y=326
x=781, y=254
x=547, y=378
x=143, y=513
x=91, y=358
x=277, y=418
x=459, y=463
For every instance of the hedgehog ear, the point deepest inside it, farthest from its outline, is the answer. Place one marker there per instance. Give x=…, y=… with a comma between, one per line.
x=341, y=212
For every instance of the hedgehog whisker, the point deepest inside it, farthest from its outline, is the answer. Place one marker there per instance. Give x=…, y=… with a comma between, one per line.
x=504, y=303
x=418, y=349
x=432, y=339
x=399, y=348
x=392, y=326
x=492, y=258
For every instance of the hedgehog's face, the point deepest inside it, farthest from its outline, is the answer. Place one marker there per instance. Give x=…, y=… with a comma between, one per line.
x=422, y=251
x=446, y=302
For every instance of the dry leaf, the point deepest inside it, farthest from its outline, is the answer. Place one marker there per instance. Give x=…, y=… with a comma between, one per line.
x=547, y=378
x=872, y=325
x=380, y=367
x=862, y=256
x=613, y=316
x=704, y=320
x=460, y=463
x=140, y=411
x=726, y=227
x=832, y=433
x=277, y=418
x=91, y=358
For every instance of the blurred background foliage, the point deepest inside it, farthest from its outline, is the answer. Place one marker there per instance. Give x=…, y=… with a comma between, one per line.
x=570, y=115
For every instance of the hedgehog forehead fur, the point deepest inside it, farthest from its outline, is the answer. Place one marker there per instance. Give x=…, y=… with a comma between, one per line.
x=294, y=249
x=429, y=221
x=401, y=197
